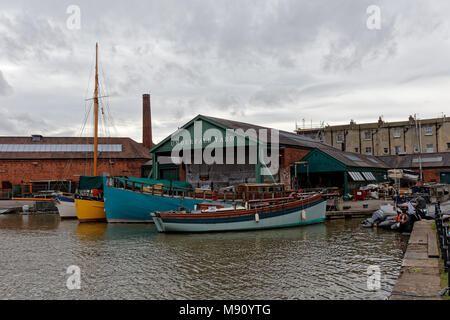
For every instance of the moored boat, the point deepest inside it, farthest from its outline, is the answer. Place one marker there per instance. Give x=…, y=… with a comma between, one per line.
x=66, y=207
x=299, y=209
x=90, y=210
x=90, y=206
x=89, y=202
x=129, y=200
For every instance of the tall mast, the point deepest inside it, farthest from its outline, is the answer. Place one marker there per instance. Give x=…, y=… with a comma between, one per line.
x=96, y=110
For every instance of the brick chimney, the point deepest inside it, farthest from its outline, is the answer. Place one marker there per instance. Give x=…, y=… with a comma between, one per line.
x=147, y=140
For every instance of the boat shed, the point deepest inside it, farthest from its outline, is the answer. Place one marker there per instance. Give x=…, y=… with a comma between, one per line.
x=435, y=166
x=291, y=148
x=329, y=167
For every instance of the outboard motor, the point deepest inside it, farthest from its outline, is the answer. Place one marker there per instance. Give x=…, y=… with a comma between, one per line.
x=421, y=209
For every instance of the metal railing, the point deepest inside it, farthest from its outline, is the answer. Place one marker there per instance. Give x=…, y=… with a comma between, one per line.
x=443, y=233
x=172, y=191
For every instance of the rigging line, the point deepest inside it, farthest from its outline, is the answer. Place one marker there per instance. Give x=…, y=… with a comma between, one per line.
x=105, y=107
x=87, y=111
x=107, y=133
x=90, y=75
x=86, y=160
x=111, y=119
x=104, y=120
x=68, y=164
x=108, y=109
x=86, y=118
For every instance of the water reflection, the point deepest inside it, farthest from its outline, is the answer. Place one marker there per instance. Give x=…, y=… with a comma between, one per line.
x=91, y=231
x=112, y=231
x=127, y=261
x=29, y=222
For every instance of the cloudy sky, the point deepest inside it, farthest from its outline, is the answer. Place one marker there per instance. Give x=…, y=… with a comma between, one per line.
x=270, y=63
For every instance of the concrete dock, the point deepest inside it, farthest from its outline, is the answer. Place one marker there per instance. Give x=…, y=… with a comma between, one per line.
x=357, y=209
x=419, y=276
x=5, y=204
x=15, y=206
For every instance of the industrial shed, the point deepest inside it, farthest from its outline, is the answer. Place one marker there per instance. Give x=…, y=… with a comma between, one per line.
x=329, y=167
x=292, y=147
x=435, y=166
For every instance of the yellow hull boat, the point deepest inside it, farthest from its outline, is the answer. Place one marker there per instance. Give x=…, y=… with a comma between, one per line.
x=90, y=210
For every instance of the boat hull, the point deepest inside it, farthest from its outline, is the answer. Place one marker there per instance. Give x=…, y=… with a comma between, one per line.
x=66, y=207
x=90, y=210
x=308, y=214
x=126, y=206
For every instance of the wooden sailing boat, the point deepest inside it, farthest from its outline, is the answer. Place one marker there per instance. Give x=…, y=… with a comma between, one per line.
x=296, y=210
x=89, y=209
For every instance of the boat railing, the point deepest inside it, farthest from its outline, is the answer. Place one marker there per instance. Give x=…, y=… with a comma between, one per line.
x=298, y=196
x=146, y=187
x=196, y=194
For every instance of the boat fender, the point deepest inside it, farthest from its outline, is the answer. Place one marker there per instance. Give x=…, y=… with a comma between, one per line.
x=303, y=215
x=402, y=218
x=257, y=217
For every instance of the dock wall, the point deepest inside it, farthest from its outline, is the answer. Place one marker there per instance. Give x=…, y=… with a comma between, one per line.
x=419, y=277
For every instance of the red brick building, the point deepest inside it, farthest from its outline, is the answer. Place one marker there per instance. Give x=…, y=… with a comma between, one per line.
x=34, y=159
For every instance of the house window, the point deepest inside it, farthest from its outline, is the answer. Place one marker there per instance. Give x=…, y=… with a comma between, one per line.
x=367, y=135
x=357, y=150
x=340, y=138
x=428, y=131
x=386, y=150
x=397, y=133
x=448, y=145
x=430, y=148
x=397, y=149
x=368, y=150
x=416, y=149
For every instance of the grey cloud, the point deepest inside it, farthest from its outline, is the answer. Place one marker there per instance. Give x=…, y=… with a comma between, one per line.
x=13, y=123
x=5, y=88
x=30, y=37
x=255, y=61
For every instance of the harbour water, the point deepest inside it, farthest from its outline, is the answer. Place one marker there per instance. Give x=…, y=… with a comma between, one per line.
x=125, y=261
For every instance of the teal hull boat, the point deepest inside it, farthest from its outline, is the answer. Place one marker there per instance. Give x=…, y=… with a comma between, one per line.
x=125, y=205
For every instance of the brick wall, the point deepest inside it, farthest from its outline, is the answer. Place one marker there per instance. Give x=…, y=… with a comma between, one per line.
x=290, y=156
x=18, y=171
x=432, y=175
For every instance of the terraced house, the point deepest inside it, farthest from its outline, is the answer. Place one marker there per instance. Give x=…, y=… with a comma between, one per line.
x=387, y=138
